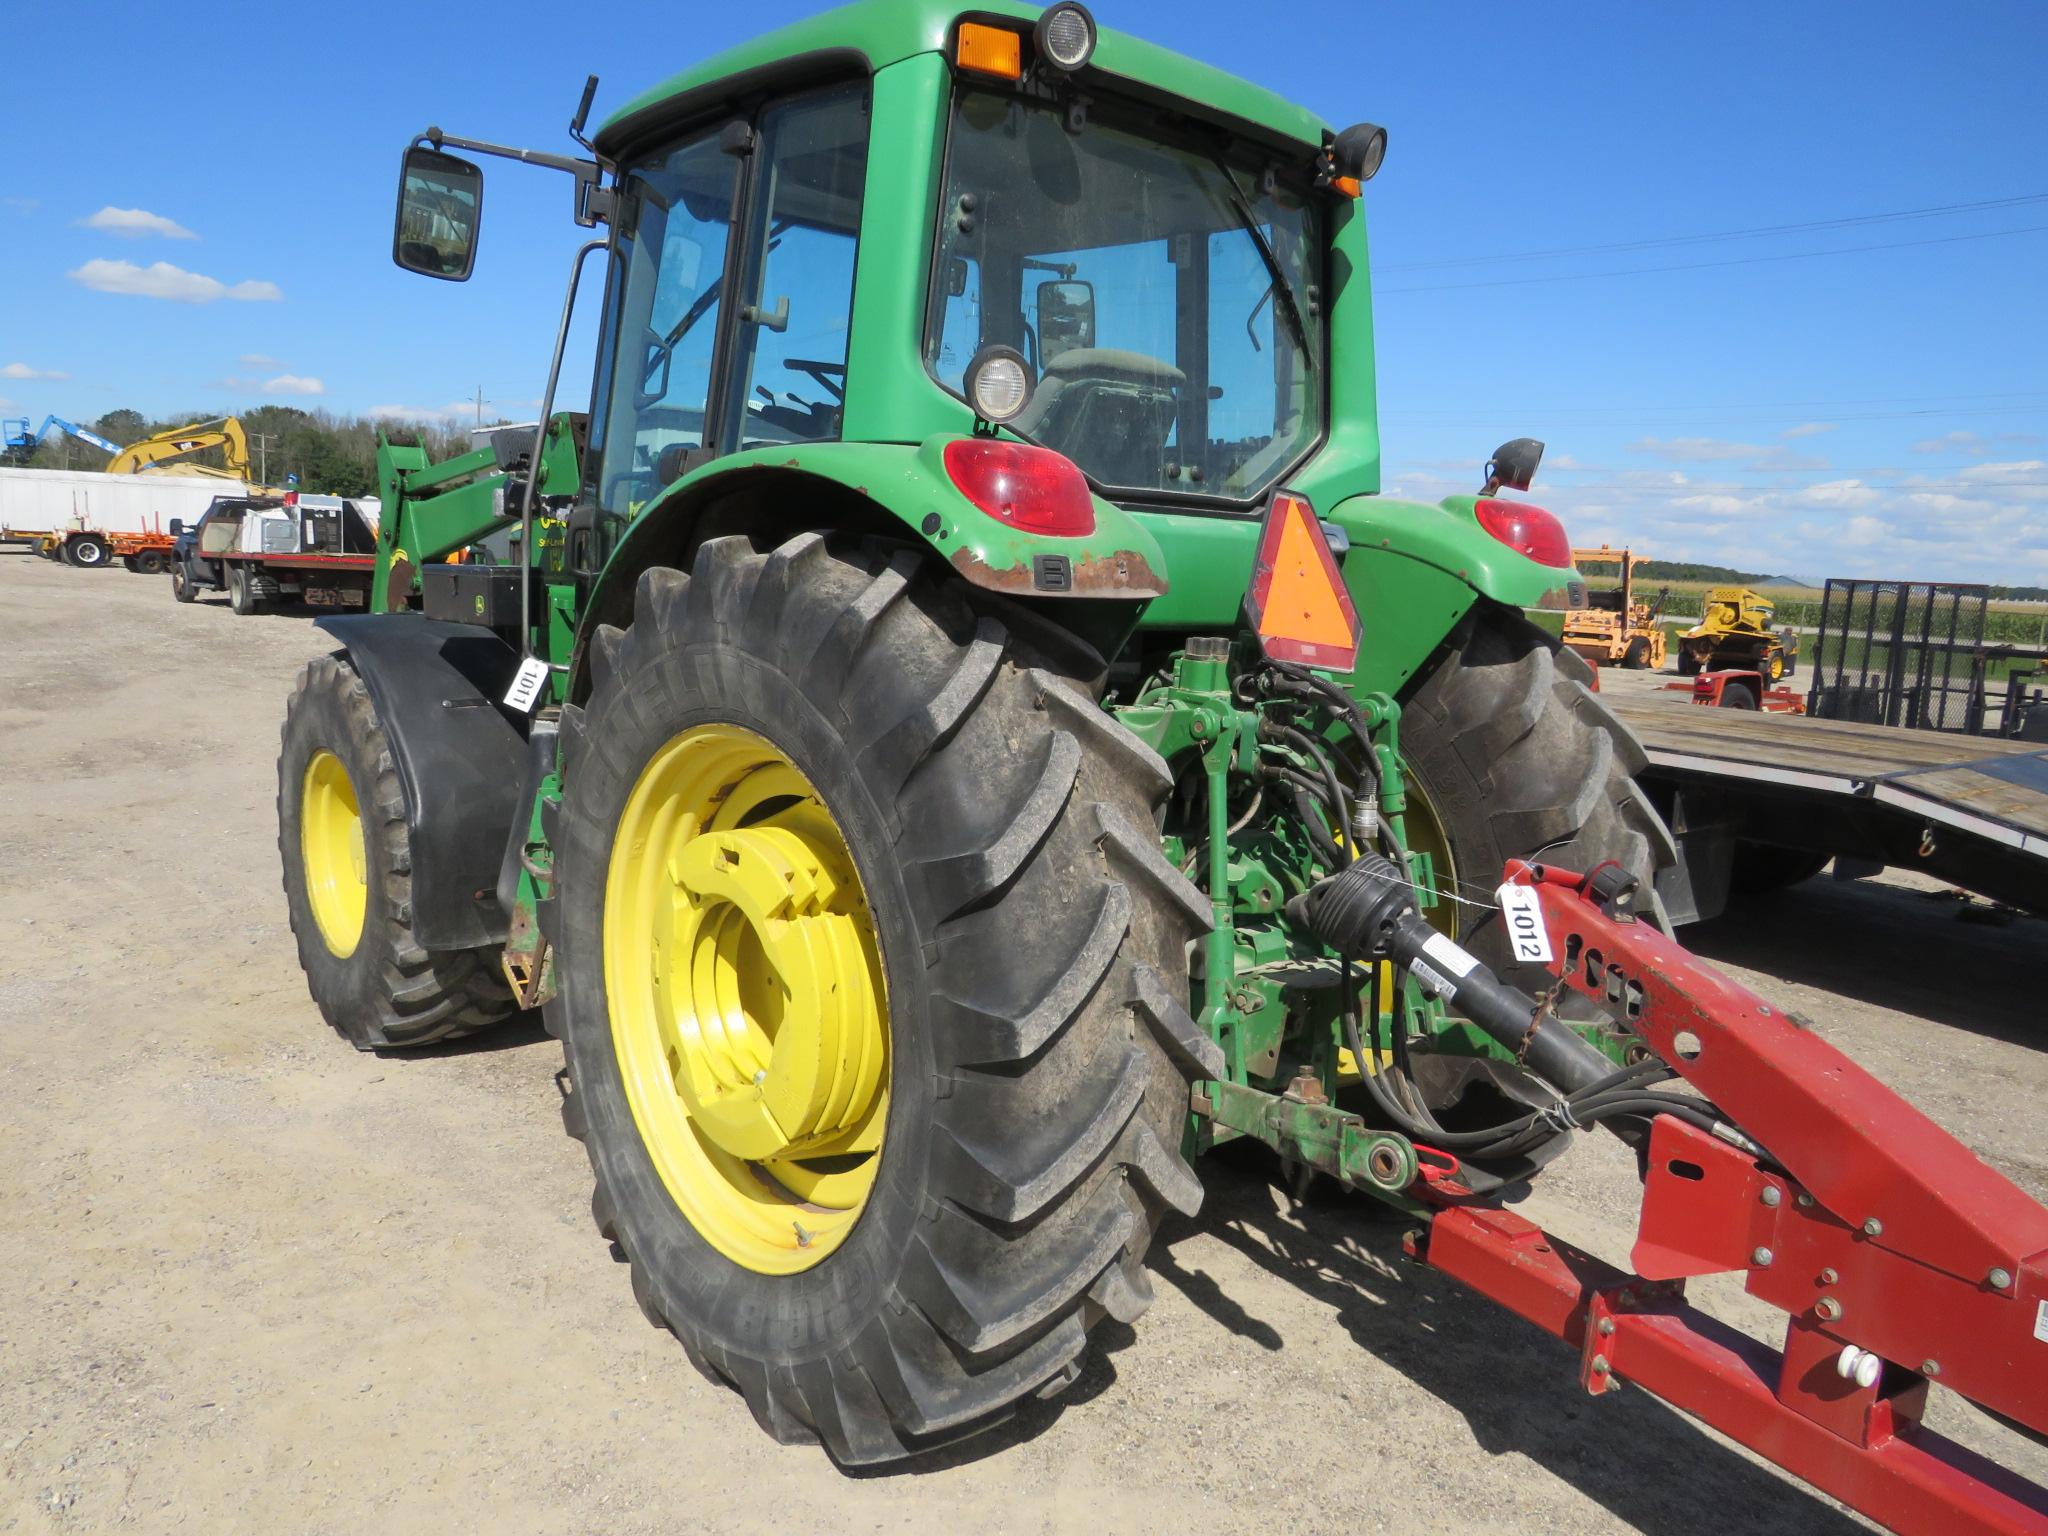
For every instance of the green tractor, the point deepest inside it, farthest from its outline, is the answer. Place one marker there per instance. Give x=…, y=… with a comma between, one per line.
x=899, y=733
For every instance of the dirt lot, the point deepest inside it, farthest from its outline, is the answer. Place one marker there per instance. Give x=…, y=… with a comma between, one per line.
x=253, y=1281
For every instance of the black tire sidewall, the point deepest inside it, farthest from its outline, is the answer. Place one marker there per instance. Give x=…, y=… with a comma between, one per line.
x=350, y=986
x=828, y=1305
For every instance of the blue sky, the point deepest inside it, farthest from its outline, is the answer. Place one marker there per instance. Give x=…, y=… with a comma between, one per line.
x=1865, y=411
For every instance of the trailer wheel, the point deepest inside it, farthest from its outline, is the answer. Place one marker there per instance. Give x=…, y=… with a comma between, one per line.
x=88, y=551
x=816, y=810
x=128, y=563
x=347, y=883
x=1761, y=867
x=1510, y=756
x=150, y=562
x=181, y=584
x=242, y=596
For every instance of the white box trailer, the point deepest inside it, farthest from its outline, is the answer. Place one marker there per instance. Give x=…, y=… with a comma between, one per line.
x=89, y=518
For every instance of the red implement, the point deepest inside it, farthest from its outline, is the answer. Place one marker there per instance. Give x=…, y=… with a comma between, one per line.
x=1899, y=1256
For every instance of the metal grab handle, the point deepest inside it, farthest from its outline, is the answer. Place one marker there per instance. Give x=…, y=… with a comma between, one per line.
x=540, y=438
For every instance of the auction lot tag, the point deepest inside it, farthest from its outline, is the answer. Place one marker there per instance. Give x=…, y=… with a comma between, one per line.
x=525, y=690
x=1523, y=913
x=2041, y=1321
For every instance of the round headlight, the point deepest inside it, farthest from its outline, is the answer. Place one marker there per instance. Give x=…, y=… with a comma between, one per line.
x=998, y=383
x=1361, y=150
x=1066, y=36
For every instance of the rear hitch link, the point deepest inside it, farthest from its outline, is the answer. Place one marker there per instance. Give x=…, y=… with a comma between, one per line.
x=1899, y=1257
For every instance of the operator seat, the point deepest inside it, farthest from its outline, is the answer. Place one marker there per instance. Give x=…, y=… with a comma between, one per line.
x=1106, y=408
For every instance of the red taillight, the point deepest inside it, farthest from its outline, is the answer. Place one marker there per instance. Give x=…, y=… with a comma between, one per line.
x=1030, y=488
x=1530, y=530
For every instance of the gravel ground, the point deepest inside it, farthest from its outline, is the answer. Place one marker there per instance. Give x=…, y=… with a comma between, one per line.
x=254, y=1281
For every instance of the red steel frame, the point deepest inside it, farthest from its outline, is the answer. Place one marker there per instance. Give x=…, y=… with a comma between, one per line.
x=1868, y=1224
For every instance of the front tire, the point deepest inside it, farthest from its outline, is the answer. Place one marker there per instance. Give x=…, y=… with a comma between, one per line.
x=181, y=584
x=1513, y=757
x=342, y=837
x=1031, y=939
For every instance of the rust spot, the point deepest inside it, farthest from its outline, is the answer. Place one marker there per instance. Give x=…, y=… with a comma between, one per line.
x=1121, y=573
x=1571, y=595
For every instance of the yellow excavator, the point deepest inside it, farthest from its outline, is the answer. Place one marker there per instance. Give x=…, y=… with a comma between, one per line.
x=175, y=446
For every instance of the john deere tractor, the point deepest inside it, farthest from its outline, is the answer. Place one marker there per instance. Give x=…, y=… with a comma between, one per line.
x=923, y=735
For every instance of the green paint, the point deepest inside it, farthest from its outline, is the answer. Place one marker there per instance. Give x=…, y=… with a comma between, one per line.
x=1414, y=571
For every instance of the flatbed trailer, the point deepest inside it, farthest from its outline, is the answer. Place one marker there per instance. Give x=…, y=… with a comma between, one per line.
x=1970, y=810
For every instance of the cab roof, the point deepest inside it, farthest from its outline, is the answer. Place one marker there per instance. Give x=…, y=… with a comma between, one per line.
x=870, y=35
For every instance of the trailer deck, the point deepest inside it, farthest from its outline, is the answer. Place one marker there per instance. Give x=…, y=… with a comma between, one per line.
x=1969, y=809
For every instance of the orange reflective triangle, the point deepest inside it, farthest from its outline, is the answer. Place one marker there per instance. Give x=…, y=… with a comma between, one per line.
x=1298, y=601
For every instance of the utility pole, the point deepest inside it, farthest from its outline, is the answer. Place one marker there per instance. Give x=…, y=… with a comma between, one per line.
x=479, y=405
x=263, y=455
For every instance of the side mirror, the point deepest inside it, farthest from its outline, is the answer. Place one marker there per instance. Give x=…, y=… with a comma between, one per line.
x=177, y=526
x=440, y=204
x=1066, y=318
x=1513, y=466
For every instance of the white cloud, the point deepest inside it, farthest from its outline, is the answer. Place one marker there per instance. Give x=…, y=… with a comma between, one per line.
x=293, y=384
x=161, y=280
x=23, y=371
x=136, y=223
x=1975, y=444
x=1836, y=493
x=1694, y=450
x=258, y=360
x=22, y=205
x=1716, y=450
x=1808, y=429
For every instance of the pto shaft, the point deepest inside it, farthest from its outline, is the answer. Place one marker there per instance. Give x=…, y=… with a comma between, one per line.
x=1367, y=911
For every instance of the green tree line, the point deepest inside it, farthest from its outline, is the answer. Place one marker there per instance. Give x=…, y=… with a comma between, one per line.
x=332, y=455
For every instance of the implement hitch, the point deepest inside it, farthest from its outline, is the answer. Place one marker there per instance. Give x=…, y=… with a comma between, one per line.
x=1900, y=1258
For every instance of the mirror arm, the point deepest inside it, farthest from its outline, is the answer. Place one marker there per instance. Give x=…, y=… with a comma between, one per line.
x=537, y=458
x=593, y=200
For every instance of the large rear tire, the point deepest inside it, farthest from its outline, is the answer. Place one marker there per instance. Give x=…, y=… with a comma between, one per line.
x=342, y=836
x=1030, y=942
x=1513, y=757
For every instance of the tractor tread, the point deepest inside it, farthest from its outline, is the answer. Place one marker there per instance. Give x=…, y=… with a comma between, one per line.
x=1021, y=817
x=1185, y=1040
x=422, y=997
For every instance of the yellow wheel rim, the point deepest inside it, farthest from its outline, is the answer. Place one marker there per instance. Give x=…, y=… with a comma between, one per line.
x=1426, y=834
x=748, y=1010
x=331, y=850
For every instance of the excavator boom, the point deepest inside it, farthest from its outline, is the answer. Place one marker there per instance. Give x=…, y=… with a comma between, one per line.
x=179, y=443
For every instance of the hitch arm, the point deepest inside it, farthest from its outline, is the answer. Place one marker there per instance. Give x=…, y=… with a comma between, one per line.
x=1899, y=1256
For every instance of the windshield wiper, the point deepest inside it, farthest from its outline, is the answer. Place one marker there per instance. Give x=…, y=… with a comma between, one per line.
x=1248, y=217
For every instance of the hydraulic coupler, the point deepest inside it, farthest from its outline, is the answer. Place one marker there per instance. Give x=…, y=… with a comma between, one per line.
x=1367, y=911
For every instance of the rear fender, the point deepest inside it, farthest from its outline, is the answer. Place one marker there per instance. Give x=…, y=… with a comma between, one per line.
x=887, y=489
x=1414, y=571
x=460, y=760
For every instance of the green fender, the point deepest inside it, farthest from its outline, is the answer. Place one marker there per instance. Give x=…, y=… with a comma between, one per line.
x=1414, y=570
x=888, y=488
